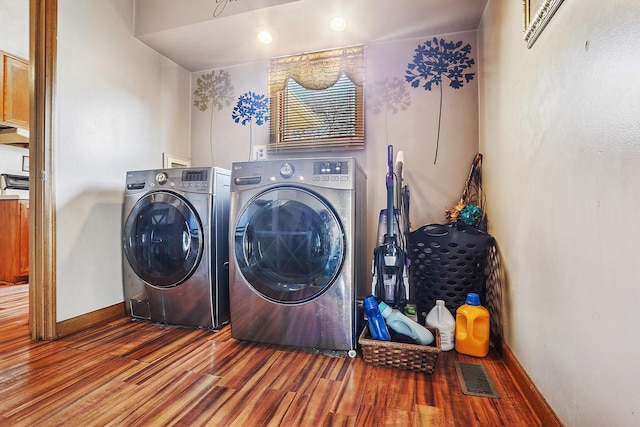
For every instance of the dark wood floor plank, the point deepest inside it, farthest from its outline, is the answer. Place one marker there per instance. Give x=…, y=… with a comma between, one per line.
x=156, y=348
x=168, y=403
x=321, y=398
x=231, y=408
x=351, y=393
x=295, y=414
x=267, y=407
x=431, y=416
x=375, y=386
x=63, y=401
x=103, y=403
x=210, y=404
x=401, y=391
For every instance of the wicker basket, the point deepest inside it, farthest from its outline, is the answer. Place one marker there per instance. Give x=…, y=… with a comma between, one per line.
x=389, y=354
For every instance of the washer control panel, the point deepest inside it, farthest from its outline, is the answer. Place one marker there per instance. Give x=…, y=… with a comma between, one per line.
x=192, y=179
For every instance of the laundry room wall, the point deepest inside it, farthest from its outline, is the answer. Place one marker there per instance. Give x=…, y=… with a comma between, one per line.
x=560, y=131
x=119, y=106
x=217, y=140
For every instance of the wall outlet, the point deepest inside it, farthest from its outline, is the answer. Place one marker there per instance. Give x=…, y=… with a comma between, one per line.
x=259, y=152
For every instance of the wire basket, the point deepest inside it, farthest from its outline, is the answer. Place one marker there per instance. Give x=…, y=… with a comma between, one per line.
x=390, y=354
x=447, y=262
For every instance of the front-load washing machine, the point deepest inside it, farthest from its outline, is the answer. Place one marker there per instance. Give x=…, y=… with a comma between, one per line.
x=297, y=243
x=176, y=246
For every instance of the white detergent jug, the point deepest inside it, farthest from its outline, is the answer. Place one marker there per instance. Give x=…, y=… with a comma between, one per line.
x=405, y=326
x=440, y=317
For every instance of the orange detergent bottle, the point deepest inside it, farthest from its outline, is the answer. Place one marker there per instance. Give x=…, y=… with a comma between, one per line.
x=472, y=327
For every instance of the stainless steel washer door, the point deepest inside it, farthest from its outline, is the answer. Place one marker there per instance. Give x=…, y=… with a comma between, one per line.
x=163, y=239
x=289, y=244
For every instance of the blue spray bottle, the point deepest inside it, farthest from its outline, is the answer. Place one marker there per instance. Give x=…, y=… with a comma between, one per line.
x=377, y=326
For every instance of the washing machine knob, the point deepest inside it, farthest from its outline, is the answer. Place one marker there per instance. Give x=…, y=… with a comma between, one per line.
x=286, y=170
x=162, y=178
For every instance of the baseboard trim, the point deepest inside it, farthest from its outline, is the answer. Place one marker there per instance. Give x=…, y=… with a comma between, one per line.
x=85, y=321
x=538, y=404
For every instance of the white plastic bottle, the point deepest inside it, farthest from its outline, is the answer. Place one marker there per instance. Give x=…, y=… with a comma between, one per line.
x=403, y=325
x=440, y=317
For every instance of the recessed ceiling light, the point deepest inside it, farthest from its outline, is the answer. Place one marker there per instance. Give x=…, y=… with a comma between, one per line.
x=338, y=23
x=265, y=37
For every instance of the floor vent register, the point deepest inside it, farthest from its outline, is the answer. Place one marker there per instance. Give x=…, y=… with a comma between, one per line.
x=475, y=380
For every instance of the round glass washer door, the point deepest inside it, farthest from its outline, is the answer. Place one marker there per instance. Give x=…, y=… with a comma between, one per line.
x=163, y=239
x=289, y=244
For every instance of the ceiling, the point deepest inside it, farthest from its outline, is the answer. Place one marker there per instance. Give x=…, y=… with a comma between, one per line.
x=188, y=33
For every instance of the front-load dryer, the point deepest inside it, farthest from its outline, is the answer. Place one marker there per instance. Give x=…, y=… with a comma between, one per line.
x=176, y=246
x=297, y=243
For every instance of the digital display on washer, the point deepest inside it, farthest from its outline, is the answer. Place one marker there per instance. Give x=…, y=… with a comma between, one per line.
x=190, y=176
x=330, y=168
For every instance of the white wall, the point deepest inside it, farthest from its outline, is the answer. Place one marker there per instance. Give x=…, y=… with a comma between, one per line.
x=434, y=188
x=119, y=106
x=11, y=159
x=560, y=131
x=14, y=27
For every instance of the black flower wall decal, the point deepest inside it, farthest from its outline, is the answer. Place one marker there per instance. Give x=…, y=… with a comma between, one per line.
x=251, y=107
x=213, y=89
x=388, y=96
x=436, y=59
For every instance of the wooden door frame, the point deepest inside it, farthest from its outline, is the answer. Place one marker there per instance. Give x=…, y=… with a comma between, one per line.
x=43, y=24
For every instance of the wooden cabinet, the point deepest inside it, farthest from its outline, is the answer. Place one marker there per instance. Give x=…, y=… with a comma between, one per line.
x=14, y=98
x=14, y=241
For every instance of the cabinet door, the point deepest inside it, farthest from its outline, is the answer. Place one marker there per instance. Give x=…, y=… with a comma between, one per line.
x=16, y=92
x=14, y=241
x=23, y=268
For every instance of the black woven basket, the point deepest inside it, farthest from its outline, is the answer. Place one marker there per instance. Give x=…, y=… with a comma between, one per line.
x=447, y=262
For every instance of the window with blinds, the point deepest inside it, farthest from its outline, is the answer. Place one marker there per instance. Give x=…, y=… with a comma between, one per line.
x=317, y=101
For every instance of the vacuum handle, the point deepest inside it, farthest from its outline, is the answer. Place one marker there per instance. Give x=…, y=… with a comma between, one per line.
x=390, y=166
x=390, y=185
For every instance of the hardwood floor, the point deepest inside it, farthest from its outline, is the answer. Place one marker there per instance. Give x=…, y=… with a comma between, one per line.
x=141, y=374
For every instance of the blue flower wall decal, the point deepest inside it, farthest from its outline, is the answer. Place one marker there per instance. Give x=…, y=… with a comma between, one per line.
x=251, y=107
x=435, y=59
x=213, y=89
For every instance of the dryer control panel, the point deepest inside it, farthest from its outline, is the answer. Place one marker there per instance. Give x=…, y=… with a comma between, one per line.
x=331, y=168
x=335, y=173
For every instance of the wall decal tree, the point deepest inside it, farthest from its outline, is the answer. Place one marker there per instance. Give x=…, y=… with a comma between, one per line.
x=250, y=107
x=388, y=96
x=435, y=59
x=213, y=89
